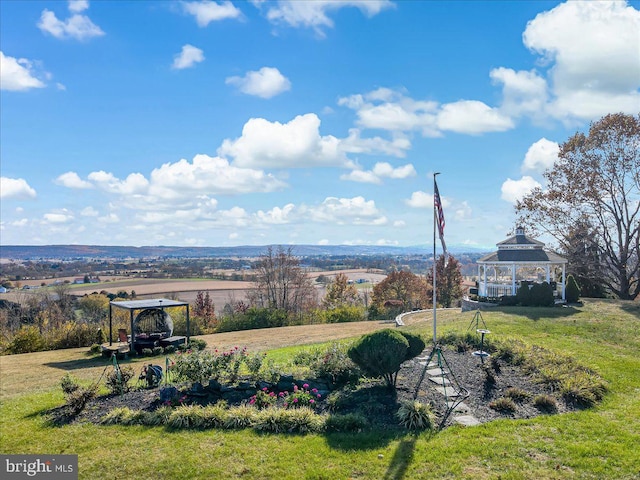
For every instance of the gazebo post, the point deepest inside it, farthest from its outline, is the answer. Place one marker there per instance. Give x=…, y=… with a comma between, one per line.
x=188, y=326
x=110, y=326
x=563, y=282
x=133, y=336
x=513, y=279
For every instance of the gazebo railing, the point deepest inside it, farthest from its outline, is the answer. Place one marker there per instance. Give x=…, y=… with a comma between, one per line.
x=495, y=290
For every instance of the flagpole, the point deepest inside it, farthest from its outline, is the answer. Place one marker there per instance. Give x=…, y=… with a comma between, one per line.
x=434, y=258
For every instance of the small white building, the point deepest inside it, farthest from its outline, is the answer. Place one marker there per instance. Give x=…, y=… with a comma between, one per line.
x=520, y=258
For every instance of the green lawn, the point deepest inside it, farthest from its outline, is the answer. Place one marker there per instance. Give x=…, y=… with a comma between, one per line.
x=599, y=443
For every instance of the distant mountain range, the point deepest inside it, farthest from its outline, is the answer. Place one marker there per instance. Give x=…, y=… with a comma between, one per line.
x=70, y=252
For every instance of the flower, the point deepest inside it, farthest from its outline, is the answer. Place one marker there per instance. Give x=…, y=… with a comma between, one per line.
x=306, y=385
x=312, y=401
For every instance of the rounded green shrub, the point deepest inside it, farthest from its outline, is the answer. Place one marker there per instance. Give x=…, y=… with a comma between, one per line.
x=380, y=354
x=416, y=344
x=541, y=295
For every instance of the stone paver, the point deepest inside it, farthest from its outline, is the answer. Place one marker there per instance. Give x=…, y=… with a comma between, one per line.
x=436, y=371
x=460, y=407
x=448, y=391
x=467, y=420
x=440, y=380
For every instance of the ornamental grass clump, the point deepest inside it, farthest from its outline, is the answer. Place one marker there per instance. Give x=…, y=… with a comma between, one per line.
x=516, y=394
x=545, y=403
x=415, y=415
x=242, y=416
x=503, y=405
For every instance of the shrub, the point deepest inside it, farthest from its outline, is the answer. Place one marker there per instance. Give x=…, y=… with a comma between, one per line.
x=415, y=415
x=503, y=405
x=95, y=348
x=79, y=398
x=509, y=300
x=523, y=294
x=118, y=380
x=572, y=290
x=146, y=352
x=197, y=344
x=157, y=351
x=272, y=420
x=253, y=318
x=380, y=354
x=169, y=349
x=545, y=403
x=416, y=344
x=276, y=420
x=27, y=339
x=349, y=422
x=334, y=364
x=254, y=364
x=344, y=313
x=541, y=295
x=69, y=384
x=194, y=367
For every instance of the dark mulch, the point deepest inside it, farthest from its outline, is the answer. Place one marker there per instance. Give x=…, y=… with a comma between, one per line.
x=376, y=402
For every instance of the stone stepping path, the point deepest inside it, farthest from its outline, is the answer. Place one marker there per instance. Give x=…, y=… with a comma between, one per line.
x=438, y=376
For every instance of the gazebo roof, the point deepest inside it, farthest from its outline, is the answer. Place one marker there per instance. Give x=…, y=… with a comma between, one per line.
x=521, y=249
x=522, y=256
x=149, y=303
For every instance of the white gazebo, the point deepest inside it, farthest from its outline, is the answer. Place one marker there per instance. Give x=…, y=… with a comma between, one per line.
x=519, y=258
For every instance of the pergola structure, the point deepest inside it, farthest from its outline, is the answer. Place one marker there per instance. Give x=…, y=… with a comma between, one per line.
x=519, y=258
x=141, y=305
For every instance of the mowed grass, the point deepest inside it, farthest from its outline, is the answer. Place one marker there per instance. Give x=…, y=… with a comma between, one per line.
x=598, y=443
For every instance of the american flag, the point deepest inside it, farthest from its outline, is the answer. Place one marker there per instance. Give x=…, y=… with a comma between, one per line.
x=437, y=203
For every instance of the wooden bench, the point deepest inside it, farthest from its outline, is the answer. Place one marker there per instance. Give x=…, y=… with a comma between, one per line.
x=175, y=341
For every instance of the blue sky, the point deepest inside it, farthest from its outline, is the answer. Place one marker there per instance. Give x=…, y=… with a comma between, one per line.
x=235, y=123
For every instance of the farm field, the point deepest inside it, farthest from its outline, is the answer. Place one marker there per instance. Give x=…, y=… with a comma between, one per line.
x=595, y=443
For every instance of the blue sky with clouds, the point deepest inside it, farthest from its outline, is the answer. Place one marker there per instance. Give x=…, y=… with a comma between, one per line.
x=233, y=123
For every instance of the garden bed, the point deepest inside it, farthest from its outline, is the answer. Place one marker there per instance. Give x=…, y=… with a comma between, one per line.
x=370, y=398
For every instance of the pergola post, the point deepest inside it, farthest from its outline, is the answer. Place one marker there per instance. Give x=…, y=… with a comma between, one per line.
x=110, y=326
x=563, y=281
x=133, y=335
x=513, y=279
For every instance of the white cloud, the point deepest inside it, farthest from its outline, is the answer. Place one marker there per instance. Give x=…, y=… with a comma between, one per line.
x=135, y=183
x=523, y=92
x=422, y=199
x=352, y=211
x=72, y=180
x=399, y=224
x=298, y=143
x=514, y=190
x=277, y=215
x=77, y=6
x=463, y=211
x=76, y=26
x=17, y=188
x=392, y=110
x=541, y=155
x=188, y=57
x=380, y=170
x=89, y=212
x=472, y=117
x=386, y=109
x=207, y=175
x=206, y=11
x=314, y=14
x=265, y=83
x=598, y=74
x=63, y=216
x=16, y=74
x=354, y=143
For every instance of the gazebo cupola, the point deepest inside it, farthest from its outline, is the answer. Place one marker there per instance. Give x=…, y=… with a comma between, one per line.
x=519, y=258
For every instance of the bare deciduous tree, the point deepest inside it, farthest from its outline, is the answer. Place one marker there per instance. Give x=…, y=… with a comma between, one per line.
x=596, y=182
x=281, y=283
